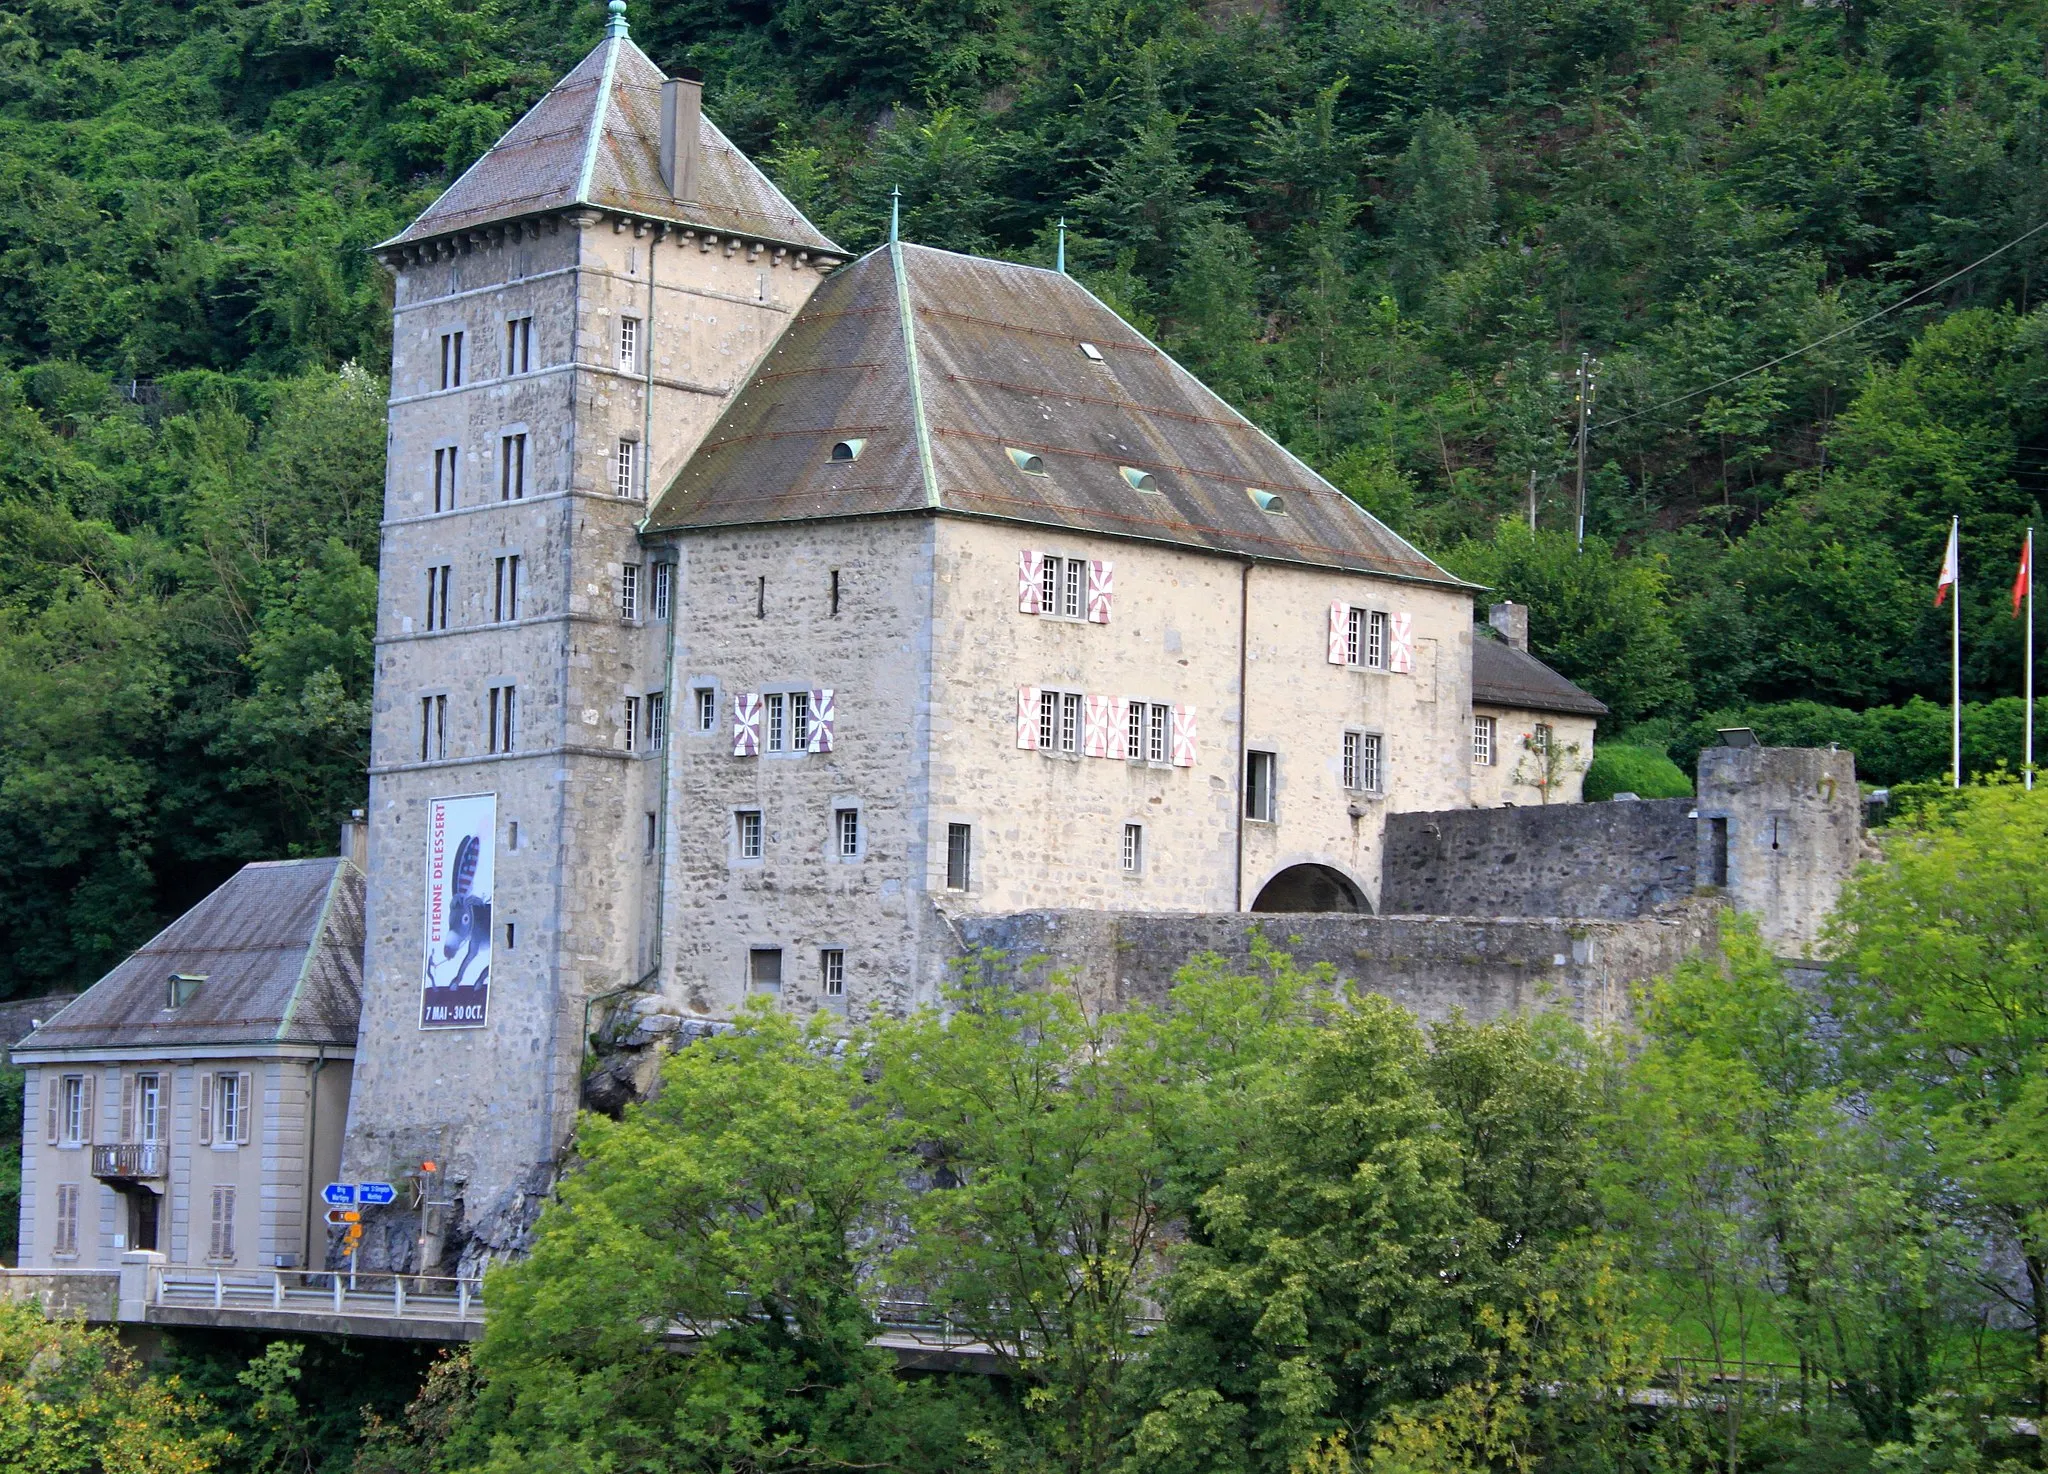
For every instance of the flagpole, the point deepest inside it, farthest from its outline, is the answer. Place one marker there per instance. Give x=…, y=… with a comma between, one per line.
x=1955, y=659
x=2028, y=765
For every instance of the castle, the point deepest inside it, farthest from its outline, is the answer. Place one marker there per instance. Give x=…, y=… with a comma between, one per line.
x=757, y=619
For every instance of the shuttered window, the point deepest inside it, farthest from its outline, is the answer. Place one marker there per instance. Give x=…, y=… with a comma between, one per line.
x=66, y=1241
x=220, y=1237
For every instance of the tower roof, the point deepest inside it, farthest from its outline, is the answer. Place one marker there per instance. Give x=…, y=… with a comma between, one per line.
x=951, y=370
x=595, y=140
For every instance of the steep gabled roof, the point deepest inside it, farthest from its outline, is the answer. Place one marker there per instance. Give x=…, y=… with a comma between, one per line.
x=944, y=364
x=1505, y=676
x=595, y=140
x=280, y=946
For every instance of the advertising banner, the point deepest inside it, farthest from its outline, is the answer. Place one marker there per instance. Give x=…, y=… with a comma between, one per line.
x=456, y=970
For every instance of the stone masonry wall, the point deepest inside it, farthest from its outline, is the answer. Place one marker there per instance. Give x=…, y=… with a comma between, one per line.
x=1612, y=860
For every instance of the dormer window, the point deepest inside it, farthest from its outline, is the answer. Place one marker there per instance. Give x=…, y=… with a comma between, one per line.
x=182, y=986
x=848, y=450
x=1139, y=480
x=1025, y=461
x=1090, y=352
x=1267, y=501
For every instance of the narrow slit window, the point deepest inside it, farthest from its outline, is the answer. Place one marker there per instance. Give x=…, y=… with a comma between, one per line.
x=433, y=728
x=447, y=460
x=518, y=346
x=629, y=592
x=437, y=596
x=512, y=467
x=505, y=602
x=451, y=360
x=959, y=856
x=501, y=715
x=629, y=344
x=657, y=720
x=624, y=482
x=1133, y=855
x=630, y=728
x=1258, y=785
x=664, y=588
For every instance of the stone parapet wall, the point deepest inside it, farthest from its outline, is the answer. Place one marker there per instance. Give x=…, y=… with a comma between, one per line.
x=1483, y=966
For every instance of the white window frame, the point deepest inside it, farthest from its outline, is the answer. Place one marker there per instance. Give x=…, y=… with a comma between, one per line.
x=774, y=721
x=149, y=1107
x=749, y=837
x=1372, y=762
x=1261, y=798
x=625, y=476
x=846, y=835
x=703, y=709
x=657, y=720
x=1062, y=587
x=1131, y=853
x=1159, y=735
x=1485, y=739
x=73, y=1103
x=832, y=972
x=629, y=344
x=506, y=592
x=630, y=728
x=230, y=1110
x=629, y=592
x=1352, y=753
x=664, y=589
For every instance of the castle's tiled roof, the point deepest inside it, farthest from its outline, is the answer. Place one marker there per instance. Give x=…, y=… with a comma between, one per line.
x=1505, y=676
x=280, y=947
x=945, y=364
x=595, y=140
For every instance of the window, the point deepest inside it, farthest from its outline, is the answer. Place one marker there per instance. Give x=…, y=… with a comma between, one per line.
x=632, y=724
x=653, y=829
x=835, y=593
x=846, y=829
x=1133, y=856
x=1351, y=760
x=622, y=472
x=1482, y=741
x=1539, y=740
x=451, y=360
x=657, y=720
x=149, y=1103
x=1134, y=731
x=799, y=721
x=433, y=728
x=1059, y=721
x=511, y=935
x=777, y=726
x=67, y=1219
x=1365, y=638
x=1363, y=760
x=1156, y=738
x=183, y=986
x=506, y=605
x=764, y=969
x=664, y=588
x=1258, y=785
x=629, y=343
x=1062, y=583
x=437, y=597
x=959, y=852
x=832, y=972
x=230, y=1110
x=74, y=1105
x=512, y=467
x=706, y=700
x=220, y=1238
x=519, y=345
x=446, y=461
x=749, y=825
x=502, y=713
x=629, y=591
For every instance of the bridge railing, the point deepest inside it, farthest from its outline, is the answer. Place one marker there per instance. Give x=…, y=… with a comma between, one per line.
x=315, y=1292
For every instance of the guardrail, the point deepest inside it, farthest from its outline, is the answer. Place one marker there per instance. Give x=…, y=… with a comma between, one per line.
x=318, y=1292
x=136, y=1160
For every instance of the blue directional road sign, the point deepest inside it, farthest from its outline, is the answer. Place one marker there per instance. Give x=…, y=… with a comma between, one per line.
x=375, y=1194
x=339, y=1195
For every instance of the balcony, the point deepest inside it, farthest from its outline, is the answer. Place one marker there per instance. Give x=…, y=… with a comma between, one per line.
x=140, y=1162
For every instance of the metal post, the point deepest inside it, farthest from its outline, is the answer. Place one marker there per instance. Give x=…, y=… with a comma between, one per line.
x=277, y=1289
x=219, y=1290
x=1955, y=656
x=398, y=1294
x=2028, y=763
x=337, y=1294
x=462, y=1299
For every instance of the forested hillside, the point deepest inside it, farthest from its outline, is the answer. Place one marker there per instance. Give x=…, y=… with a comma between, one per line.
x=1387, y=229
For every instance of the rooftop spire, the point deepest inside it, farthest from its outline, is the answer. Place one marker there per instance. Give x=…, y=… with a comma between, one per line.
x=616, y=26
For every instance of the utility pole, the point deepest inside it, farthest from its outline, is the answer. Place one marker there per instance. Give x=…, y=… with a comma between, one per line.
x=1532, y=496
x=1588, y=366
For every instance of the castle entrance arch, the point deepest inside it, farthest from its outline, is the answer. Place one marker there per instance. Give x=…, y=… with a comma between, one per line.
x=1311, y=888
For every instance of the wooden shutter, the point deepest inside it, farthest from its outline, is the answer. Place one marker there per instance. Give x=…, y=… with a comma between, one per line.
x=1119, y=716
x=1401, y=643
x=203, y=1084
x=85, y=1111
x=1183, y=736
x=1095, y=726
x=1029, y=569
x=746, y=724
x=823, y=712
x=1340, y=614
x=1027, y=718
x=53, y=1090
x=1101, y=588
x=220, y=1243
x=127, y=1107
x=245, y=1097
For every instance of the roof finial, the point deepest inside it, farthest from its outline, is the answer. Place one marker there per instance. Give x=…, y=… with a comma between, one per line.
x=895, y=212
x=1060, y=262
x=617, y=24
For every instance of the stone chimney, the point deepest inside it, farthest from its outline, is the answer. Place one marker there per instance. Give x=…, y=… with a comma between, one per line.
x=355, y=841
x=1512, y=621
x=682, y=104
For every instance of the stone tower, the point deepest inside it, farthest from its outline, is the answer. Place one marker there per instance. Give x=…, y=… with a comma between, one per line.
x=570, y=316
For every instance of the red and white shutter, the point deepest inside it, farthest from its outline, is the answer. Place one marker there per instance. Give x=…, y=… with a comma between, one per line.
x=746, y=724
x=1030, y=567
x=1401, y=643
x=823, y=711
x=1027, y=718
x=1119, y=726
x=1340, y=616
x=1101, y=589
x=1183, y=736
x=1095, y=726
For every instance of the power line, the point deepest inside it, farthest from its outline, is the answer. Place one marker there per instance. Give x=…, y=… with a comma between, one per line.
x=1837, y=333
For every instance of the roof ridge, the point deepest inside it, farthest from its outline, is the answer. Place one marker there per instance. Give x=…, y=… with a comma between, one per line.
x=597, y=116
x=920, y=425
x=313, y=945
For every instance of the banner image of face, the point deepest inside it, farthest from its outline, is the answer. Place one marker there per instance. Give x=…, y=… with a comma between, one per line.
x=456, y=970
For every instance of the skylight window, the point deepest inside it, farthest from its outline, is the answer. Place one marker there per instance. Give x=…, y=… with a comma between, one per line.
x=1267, y=501
x=1025, y=461
x=1140, y=480
x=1090, y=352
x=848, y=450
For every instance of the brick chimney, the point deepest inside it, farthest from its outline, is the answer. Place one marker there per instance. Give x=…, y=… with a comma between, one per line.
x=1512, y=621
x=682, y=104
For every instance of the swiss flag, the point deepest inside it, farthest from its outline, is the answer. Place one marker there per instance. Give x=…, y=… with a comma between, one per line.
x=1948, y=569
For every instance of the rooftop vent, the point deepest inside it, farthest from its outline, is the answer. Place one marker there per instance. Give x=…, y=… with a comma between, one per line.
x=1267, y=501
x=848, y=450
x=1090, y=352
x=182, y=986
x=1025, y=461
x=1140, y=480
